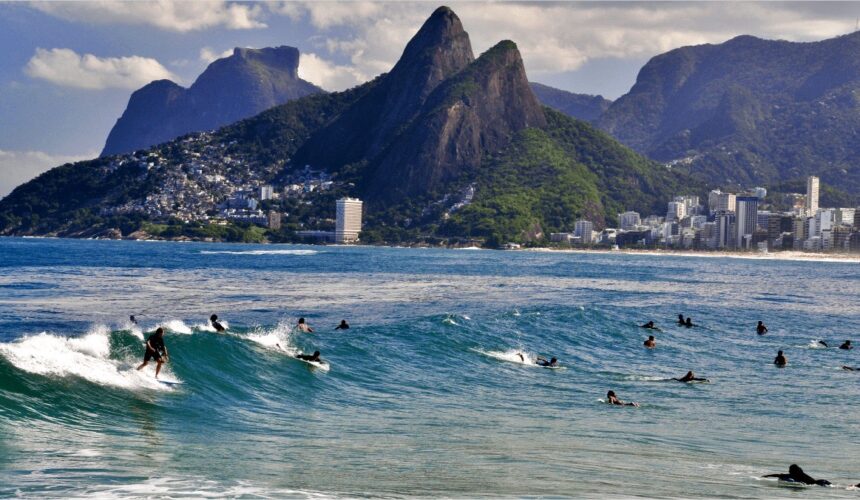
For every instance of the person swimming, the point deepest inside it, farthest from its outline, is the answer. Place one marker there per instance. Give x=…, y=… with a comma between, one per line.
x=796, y=475
x=846, y=345
x=215, y=324
x=343, y=325
x=689, y=322
x=541, y=361
x=310, y=357
x=650, y=343
x=681, y=321
x=132, y=319
x=780, y=360
x=650, y=325
x=155, y=349
x=761, y=329
x=691, y=377
x=303, y=327
x=612, y=399
x=850, y=369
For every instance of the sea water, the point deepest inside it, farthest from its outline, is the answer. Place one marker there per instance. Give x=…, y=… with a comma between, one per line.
x=426, y=394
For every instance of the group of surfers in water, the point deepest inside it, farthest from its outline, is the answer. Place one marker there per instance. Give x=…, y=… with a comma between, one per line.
x=157, y=351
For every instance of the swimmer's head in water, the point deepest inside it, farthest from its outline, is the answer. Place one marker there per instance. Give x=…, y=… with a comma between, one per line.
x=650, y=337
x=301, y=320
x=610, y=394
x=316, y=354
x=553, y=360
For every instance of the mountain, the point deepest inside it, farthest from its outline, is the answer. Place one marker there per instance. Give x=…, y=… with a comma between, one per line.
x=232, y=88
x=444, y=147
x=748, y=111
x=582, y=106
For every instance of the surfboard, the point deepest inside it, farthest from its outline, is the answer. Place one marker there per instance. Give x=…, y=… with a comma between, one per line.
x=321, y=364
x=169, y=383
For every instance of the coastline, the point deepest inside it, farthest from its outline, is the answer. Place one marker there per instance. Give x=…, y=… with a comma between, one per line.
x=786, y=255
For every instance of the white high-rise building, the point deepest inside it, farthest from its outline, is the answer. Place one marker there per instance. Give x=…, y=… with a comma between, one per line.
x=629, y=220
x=721, y=202
x=266, y=193
x=584, y=230
x=812, y=194
x=676, y=210
x=747, y=214
x=348, y=223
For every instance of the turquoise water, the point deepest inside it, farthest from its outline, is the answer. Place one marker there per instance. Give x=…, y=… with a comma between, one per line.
x=424, y=397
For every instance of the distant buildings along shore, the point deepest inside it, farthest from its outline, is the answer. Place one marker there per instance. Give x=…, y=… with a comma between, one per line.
x=732, y=222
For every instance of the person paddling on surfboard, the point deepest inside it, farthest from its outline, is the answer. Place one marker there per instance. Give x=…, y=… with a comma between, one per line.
x=846, y=345
x=155, y=349
x=310, y=357
x=303, y=327
x=215, y=324
x=650, y=325
x=542, y=361
x=691, y=377
x=612, y=399
x=796, y=475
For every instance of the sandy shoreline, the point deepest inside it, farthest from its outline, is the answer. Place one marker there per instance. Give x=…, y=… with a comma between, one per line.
x=789, y=255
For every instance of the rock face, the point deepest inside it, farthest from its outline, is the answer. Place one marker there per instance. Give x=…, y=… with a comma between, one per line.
x=581, y=106
x=475, y=112
x=433, y=116
x=749, y=110
x=232, y=88
x=440, y=49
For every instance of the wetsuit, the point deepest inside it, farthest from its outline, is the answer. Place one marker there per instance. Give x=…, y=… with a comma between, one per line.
x=157, y=344
x=218, y=326
x=308, y=357
x=342, y=326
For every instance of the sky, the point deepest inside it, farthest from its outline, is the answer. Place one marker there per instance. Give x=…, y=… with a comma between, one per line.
x=67, y=69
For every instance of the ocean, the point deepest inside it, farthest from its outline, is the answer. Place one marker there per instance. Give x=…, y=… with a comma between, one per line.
x=426, y=395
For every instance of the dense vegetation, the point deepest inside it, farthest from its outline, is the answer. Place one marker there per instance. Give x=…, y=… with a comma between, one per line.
x=748, y=111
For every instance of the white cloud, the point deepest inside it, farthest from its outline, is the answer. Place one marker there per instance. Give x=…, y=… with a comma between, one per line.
x=181, y=16
x=561, y=37
x=18, y=167
x=327, y=74
x=67, y=68
x=207, y=54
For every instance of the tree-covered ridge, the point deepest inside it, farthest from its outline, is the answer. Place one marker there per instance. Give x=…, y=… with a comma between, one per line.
x=748, y=111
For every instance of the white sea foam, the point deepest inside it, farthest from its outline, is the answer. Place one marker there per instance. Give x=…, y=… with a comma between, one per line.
x=178, y=326
x=259, y=252
x=86, y=357
x=646, y=378
x=512, y=355
x=814, y=344
x=278, y=338
x=172, y=487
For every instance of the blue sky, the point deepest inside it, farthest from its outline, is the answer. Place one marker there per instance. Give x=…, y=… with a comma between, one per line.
x=68, y=68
